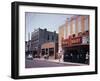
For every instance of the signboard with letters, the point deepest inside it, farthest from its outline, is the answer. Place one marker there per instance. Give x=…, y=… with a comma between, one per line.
x=72, y=41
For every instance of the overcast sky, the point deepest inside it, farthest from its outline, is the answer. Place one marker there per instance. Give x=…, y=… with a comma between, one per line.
x=43, y=20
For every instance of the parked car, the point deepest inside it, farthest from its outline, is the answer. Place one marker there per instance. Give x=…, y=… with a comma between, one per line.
x=30, y=57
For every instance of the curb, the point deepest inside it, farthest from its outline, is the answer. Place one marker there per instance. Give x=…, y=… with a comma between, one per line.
x=62, y=62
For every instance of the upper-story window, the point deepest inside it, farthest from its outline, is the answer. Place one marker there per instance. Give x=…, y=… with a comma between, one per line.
x=74, y=26
x=48, y=37
x=79, y=24
x=86, y=23
x=52, y=37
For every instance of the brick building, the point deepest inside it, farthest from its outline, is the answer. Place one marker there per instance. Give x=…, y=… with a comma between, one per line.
x=40, y=37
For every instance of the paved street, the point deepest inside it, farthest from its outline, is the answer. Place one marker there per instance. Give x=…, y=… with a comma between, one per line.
x=45, y=63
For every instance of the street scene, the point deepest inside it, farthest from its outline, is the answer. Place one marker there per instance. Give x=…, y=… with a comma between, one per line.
x=48, y=63
x=56, y=40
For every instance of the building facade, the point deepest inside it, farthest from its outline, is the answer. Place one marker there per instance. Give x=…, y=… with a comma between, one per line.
x=74, y=39
x=40, y=37
x=49, y=50
x=28, y=47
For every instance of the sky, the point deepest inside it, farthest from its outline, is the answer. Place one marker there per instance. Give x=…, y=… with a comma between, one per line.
x=43, y=20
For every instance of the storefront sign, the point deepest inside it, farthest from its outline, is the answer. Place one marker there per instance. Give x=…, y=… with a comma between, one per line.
x=76, y=40
x=72, y=41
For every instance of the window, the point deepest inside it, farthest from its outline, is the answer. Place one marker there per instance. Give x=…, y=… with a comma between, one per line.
x=52, y=37
x=48, y=37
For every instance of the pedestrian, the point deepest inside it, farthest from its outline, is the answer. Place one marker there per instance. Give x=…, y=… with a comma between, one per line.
x=87, y=58
x=59, y=57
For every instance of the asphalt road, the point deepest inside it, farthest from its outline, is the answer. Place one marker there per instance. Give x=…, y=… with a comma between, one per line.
x=44, y=63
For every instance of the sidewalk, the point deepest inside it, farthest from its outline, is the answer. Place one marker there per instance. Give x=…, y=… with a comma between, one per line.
x=57, y=61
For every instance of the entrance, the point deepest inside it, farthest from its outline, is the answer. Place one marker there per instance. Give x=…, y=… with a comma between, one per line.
x=77, y=54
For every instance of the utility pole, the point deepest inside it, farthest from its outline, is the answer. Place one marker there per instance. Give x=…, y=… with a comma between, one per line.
x=28, y=42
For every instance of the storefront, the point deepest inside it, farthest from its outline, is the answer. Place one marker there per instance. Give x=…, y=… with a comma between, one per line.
x=74, y=39
x=76, y=54
x=49, y=50
x=76, y=50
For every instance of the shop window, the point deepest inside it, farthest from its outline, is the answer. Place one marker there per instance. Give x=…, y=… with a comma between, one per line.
x=51, y=51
